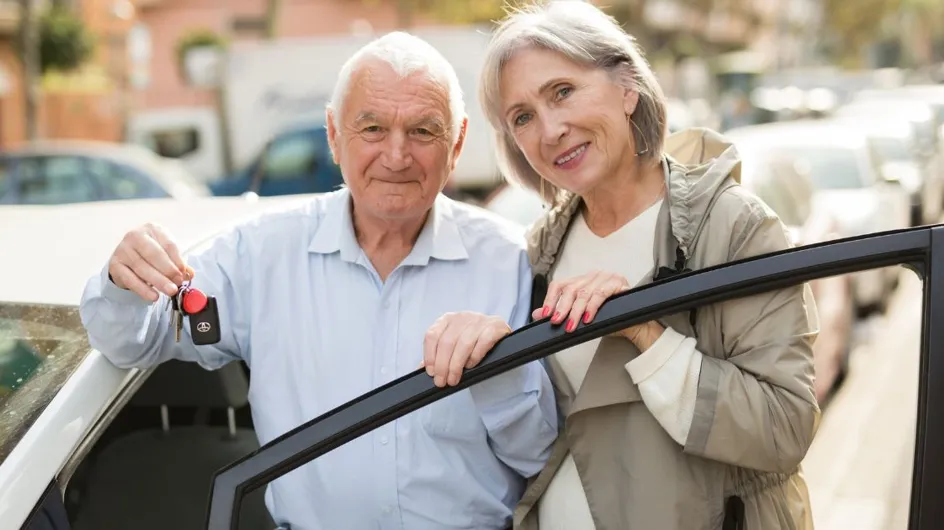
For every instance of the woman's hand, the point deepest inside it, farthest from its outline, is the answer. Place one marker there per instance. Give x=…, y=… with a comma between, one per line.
x=457, y=341
x=579, y=298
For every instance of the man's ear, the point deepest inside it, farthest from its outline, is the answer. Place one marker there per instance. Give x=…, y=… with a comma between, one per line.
x=457, y=148
x=332, y=134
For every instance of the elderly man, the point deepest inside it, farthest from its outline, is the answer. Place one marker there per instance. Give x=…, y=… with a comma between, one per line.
x=331, y=300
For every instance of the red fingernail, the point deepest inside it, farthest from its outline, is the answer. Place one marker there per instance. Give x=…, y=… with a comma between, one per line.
x=557, y=317
x=547, y=311
x=571, y=325
x=586, y=317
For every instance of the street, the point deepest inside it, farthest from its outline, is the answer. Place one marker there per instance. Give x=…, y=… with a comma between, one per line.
x=859, y=467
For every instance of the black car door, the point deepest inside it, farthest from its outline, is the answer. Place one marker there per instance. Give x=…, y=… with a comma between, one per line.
x=919, y=249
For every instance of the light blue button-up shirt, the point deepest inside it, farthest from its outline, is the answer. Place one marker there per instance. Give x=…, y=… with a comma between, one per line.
x=300, y=302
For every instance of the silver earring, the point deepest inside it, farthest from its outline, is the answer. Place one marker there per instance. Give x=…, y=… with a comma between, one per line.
x=641, y=136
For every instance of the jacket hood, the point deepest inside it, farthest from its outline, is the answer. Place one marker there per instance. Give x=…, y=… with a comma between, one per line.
x=699, y=164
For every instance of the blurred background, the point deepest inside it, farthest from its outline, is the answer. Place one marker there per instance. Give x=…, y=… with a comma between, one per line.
x=837, y=107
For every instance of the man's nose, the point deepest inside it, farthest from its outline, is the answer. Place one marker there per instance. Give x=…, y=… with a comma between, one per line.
x=553, y=128
x=396, y=156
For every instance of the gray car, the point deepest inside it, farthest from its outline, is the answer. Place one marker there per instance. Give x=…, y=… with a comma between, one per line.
x=65, y=172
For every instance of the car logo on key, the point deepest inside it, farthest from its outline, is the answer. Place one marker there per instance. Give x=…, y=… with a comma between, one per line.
x=203, y=327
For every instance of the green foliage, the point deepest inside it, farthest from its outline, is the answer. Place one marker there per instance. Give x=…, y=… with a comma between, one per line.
x=64, y=42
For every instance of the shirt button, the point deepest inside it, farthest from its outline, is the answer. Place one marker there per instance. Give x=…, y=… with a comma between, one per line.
x=388, y=509
x=384, y=370
x=383, y=441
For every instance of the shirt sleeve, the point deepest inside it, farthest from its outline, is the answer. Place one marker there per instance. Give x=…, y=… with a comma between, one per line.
x=518, y=407
x=667, y=376
x=135, y=333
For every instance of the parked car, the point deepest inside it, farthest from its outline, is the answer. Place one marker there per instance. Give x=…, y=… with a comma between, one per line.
x=895, y=144
x=84, y=444
x=296, y=161
x=848, y=181
x=924, y=116
x=70, y=171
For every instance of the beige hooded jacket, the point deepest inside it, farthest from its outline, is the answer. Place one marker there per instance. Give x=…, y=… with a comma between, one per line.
x=755, y=413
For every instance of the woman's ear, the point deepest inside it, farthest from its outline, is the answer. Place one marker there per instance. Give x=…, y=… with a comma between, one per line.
x=630, y=100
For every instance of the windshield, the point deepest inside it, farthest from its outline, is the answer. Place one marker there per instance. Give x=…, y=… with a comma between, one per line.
x=830, y=168
x=40, y=347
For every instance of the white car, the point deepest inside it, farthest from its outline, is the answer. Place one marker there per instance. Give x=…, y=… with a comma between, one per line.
x=848, y=183
x=897, y=146
x=64, y=423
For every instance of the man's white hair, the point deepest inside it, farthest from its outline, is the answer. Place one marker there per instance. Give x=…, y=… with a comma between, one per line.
x=406, y=54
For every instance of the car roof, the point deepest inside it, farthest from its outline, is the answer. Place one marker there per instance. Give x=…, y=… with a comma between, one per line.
x=900, y=105
x=884, y=128
x=108, y=150
x=51, y=251
x=799, y=132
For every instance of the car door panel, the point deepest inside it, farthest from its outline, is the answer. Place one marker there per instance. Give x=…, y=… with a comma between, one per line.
x=919, y=249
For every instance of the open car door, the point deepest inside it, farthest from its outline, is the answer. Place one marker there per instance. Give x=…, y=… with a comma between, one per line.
x=919, y=249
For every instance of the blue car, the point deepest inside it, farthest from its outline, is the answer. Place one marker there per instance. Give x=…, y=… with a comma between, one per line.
x=67, y=171
x=295, y=161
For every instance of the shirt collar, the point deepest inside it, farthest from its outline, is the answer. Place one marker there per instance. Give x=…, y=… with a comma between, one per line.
x=439, y=239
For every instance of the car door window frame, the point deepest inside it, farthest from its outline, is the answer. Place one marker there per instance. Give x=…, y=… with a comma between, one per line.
x=920, y=249
x=49, y=513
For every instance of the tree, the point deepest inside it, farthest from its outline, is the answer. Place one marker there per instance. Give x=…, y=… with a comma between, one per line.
x=64, y=42
x=854, y=26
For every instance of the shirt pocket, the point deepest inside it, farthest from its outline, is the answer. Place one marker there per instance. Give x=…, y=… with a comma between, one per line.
x=454, y=418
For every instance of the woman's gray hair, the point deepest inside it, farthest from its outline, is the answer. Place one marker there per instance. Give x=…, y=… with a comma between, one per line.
x=586, y=35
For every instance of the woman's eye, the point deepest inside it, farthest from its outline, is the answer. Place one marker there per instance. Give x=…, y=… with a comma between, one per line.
x=521, y=119
x=563, y=92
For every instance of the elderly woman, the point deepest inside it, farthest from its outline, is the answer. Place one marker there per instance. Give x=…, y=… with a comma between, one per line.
x=698, y=421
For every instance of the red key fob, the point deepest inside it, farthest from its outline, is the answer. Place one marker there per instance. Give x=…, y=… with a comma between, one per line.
x=202, y=312
x=193, y=301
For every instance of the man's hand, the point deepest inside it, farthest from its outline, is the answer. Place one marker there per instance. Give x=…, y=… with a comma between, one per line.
x=457, y=341
x=147, y=262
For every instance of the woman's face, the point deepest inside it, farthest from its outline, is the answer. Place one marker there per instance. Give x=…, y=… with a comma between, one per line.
x=569, y=120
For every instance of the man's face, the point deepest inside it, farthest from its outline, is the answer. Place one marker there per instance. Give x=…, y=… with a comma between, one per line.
x=392, y=141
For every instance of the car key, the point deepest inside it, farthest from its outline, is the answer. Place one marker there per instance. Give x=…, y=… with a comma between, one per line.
x=177, y=316
x=203, y=314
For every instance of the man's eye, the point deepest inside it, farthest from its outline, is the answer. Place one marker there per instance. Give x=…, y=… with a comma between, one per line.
x=522, y=119
x=372, y=129
x=424, y=132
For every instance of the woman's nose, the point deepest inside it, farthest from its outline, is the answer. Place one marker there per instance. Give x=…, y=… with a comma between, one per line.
x=553, y=129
